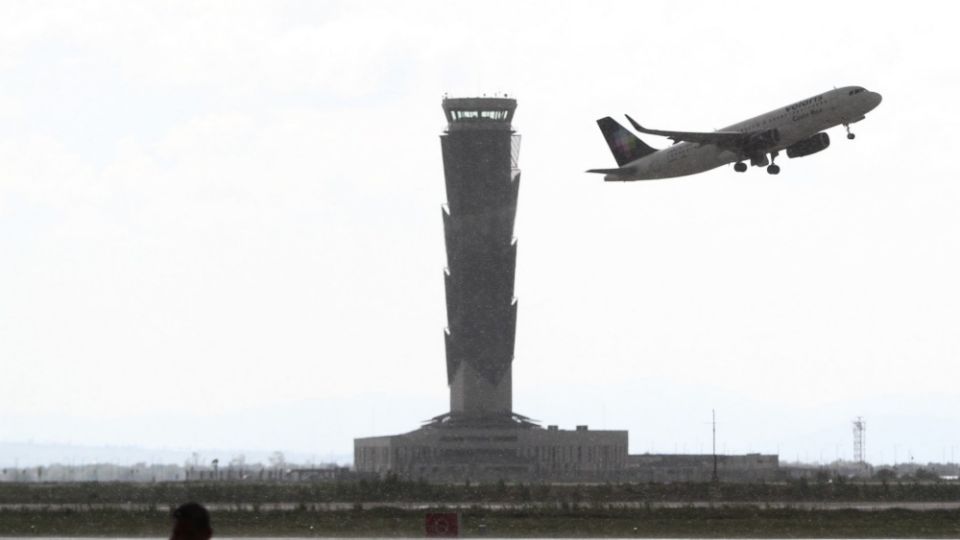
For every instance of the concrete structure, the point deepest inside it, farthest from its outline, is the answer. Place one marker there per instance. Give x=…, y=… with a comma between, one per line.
x=480, y=152
x=481, y=438
x=448, y=453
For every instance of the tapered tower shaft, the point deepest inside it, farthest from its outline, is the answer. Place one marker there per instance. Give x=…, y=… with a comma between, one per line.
x=480, y=152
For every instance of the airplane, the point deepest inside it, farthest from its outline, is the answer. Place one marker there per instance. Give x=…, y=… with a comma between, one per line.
x=797, y=128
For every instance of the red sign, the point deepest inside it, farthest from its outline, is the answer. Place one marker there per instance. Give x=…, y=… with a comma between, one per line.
x=442, y=524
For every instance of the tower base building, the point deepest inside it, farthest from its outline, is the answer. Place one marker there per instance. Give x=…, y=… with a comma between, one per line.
x=487, y=454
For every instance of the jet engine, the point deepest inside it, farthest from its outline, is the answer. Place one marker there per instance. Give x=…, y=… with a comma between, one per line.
x=808, y=146
x=763, y=140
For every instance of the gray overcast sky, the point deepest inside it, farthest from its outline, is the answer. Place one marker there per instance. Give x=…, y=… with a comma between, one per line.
x=220, y=223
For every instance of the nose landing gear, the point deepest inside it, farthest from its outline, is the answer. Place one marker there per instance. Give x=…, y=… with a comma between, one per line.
x=850, y=136
x=740, y=167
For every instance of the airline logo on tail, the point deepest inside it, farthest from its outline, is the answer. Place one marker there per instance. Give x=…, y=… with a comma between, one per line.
x=625, y=146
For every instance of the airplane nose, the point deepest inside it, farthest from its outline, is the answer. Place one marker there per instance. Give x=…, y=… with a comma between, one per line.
x=876, y=98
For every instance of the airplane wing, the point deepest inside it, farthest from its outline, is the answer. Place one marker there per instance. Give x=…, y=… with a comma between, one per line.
x=729, y=139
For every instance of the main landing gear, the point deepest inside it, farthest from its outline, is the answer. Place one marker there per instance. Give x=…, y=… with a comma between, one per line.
x=850, y=136
x=773, y=168
x=759, y=160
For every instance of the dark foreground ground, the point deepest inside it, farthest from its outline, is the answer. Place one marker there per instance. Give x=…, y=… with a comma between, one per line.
x=394, y=490
x=713, y=522
x=383, y=508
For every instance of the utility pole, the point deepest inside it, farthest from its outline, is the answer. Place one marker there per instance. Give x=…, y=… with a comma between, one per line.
x=715, y=478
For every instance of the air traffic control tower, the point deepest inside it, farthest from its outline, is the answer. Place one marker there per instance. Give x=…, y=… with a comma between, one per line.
x=480, y=152
x=481, y=438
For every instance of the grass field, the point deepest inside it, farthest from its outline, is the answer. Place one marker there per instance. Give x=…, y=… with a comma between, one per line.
x=572, y=522
x=166, y=493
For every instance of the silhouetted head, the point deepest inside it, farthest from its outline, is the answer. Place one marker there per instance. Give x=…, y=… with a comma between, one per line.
x=191, y=521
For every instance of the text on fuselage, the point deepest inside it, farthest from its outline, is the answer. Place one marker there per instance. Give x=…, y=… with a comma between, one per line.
x=805, y=103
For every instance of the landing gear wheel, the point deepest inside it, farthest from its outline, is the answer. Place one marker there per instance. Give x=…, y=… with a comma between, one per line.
x=773, y=168
x=740, y=167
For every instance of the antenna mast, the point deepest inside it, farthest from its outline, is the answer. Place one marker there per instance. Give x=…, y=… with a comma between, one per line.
x=860, y=441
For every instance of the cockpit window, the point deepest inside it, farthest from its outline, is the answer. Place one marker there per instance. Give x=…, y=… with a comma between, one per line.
x=856, y=91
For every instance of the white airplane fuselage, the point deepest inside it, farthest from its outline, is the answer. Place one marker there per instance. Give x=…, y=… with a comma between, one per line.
x=795, y=122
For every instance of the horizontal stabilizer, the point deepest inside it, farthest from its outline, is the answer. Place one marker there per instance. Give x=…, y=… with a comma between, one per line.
x=620, y=171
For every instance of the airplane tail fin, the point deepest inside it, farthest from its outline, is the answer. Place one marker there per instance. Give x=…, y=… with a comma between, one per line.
x=625, y=146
